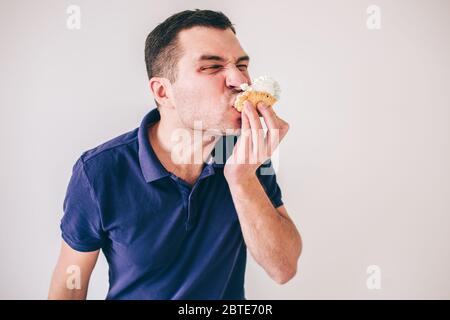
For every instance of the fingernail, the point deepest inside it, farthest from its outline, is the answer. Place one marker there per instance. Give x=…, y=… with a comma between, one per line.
x=261, y=106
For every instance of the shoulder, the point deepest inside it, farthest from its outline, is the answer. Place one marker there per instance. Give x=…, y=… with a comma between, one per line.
x=111, y=153
x=111, y=146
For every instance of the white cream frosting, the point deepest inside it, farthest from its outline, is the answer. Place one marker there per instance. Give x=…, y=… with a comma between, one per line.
x=264, y=83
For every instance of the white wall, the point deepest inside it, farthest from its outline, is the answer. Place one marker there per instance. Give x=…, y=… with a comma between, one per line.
x=364, y=169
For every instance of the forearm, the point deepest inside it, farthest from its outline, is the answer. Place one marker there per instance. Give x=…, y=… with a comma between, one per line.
x=60, y=291
x=71, y=276
x=65, y=285
x=272, y=239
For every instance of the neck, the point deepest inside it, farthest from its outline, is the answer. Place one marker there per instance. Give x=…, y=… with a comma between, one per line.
x=182, y=151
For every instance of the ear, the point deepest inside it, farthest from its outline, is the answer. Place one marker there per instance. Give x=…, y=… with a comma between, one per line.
x=161, y=88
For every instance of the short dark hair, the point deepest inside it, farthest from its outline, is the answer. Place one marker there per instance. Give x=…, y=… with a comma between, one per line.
x=161, y=48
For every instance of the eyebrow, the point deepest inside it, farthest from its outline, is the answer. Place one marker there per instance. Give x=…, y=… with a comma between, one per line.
x=209, y=57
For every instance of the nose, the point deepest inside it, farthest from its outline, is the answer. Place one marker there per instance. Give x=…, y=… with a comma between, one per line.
x=236, y=77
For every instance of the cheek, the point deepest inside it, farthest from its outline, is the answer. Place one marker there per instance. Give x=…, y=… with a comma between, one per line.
x=201, y=93
x=190, y=88
x=192, y=104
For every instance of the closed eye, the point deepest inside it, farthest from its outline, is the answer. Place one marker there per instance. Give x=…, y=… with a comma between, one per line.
x=216, y=66
x=242, y=67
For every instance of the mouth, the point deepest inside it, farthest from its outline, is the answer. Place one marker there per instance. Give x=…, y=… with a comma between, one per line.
x=235, y=110
x=233, y=103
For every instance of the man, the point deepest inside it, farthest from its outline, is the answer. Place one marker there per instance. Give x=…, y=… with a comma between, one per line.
x=171, y=228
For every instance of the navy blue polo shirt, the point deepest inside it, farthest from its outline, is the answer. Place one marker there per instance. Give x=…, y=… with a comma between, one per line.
x=162, y=238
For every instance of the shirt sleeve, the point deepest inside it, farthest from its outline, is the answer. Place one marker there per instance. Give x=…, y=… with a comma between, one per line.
x=267, y=177
x=81, y=225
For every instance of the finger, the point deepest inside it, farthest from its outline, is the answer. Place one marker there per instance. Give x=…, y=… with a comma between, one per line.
x=257, y=131
x=277, y=128
x=270, y=120
x=252, y=114
x=255, y=124
x=246, y=128
x=269, y=115
x=245, y=124
x=244, y=141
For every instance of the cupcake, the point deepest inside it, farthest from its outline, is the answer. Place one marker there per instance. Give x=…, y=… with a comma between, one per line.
x=264, y=89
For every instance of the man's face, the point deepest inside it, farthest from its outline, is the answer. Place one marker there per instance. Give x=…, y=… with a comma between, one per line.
x=209, y=72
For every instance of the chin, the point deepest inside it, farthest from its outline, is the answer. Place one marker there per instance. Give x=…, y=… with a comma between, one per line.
x=233, y=132
x=234, y=128
x=228, y=126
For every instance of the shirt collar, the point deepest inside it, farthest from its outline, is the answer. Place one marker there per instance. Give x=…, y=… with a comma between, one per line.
x=151, y=167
